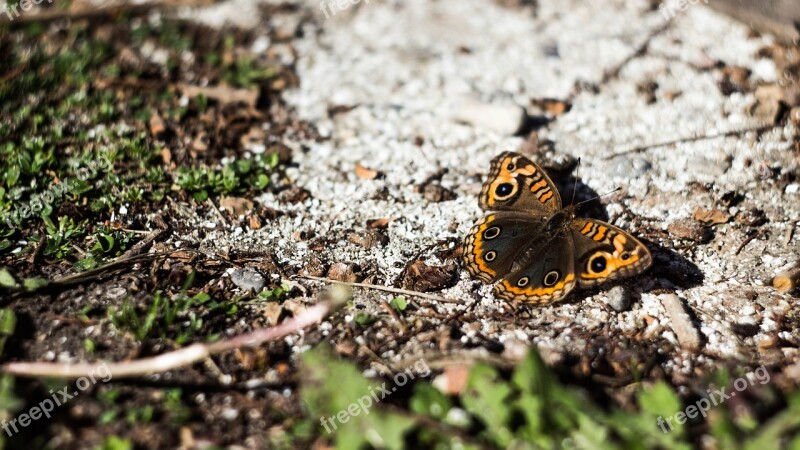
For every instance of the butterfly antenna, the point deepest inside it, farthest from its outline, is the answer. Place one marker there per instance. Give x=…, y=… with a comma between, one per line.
x=599, y=196
x=575, y=187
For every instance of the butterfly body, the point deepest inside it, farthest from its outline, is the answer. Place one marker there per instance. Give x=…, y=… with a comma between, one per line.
x=536, y=250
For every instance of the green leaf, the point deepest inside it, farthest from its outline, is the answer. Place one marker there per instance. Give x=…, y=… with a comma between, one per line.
x=771, y=434
x=659, y=400
x=345, y=403
x=6, y=279
x=364, y=319
x=9, y=403
x=486, y=397
x=33, y=284
x=399, y=304
x=116, y=443
x=429, y=401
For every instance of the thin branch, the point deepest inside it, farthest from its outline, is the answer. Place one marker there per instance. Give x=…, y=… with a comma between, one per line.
x=699, y=137
x=175, y=359
x=435, y=298
x=395, y=316
x=104, y=11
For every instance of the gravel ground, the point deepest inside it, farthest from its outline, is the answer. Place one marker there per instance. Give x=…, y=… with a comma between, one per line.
x=390, y=84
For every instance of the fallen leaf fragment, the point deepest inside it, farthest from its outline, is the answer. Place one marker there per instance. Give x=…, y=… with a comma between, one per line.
x=453, y=380
x=380, y=223
x=236, y=205
x=421, y=277
x=711, y=216
x=365, y=173
x=156, y=124
x=222, y=94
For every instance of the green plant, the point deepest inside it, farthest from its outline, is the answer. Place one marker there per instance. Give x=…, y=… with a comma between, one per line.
x=59, y=237
x=174, y=317
x=527, y=409
x=236, y=177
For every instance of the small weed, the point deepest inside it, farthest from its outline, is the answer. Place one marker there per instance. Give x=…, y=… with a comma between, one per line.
x=234, y=178
x=60, y=237
x=173, y=317
x=528, y=409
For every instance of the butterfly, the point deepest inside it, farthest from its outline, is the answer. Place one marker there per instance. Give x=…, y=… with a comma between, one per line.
x=534, y=249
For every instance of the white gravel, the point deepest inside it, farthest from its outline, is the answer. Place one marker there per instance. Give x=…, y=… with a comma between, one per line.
x=406, y=65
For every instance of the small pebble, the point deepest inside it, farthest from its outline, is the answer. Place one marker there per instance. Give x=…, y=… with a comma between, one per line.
x=504, y=119
x=248, y=279
x=344, y=272
x=689, y=229
x=618, y=299
x=630, y=166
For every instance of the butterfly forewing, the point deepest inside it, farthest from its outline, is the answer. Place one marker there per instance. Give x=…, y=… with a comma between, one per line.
x=516, y=183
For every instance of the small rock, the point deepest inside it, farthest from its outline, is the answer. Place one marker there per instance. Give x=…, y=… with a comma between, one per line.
x=618, y=299
x=294, y=195
x=689, y=229
x=236, y=205
x=313, y=267
x=294, y=306
x=710, y=165
x=734, y=79
x=648, y=90
x=794, y=115
x=115, y=293
x=435, y=193
x=752, y=217
x=248, y=279
x=346, y=348
x=369, y=239
x=421, y=277
x=344, y=272
x=272, y=311
x=629, y=166
x=769, y=105
x=505, y=119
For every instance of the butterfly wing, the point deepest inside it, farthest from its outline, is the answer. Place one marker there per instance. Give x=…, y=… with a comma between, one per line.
x=516, y=183
x=545, y=273
x=496, y=241
x=604, y=252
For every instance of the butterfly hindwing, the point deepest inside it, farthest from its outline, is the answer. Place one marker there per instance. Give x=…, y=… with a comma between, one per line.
x=545, y=275
x=495, y=242
x=516, y=183
x=604, y=252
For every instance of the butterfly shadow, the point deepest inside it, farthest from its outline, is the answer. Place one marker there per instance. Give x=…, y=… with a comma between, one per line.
x=573, y=191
